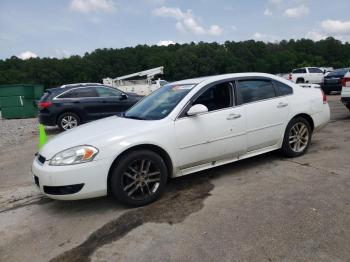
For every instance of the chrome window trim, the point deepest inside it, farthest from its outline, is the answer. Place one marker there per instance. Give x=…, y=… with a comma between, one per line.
x=74, y=98
x=234, y=93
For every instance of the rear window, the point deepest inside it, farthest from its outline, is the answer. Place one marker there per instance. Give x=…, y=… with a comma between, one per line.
x=45, y=96
x=283, y=89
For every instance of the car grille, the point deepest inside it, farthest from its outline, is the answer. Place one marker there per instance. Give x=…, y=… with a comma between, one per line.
x=41, y=159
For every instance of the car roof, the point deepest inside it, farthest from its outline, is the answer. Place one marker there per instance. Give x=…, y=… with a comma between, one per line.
x=71, y=86
x=195, y=81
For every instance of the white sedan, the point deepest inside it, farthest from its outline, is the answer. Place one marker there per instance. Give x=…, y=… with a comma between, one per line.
x=182, y=128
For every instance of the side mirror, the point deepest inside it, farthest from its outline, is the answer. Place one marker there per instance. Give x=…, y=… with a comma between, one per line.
x=197, y=109
x=123, y=97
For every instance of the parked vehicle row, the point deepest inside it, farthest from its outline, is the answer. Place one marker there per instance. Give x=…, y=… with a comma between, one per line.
x=310, y=75
x=71, y=105
x=181, y=128
x=330, y=81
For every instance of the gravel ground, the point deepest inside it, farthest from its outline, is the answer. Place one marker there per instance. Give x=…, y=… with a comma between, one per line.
x=15, y=132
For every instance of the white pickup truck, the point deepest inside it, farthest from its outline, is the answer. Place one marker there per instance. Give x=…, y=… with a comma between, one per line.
x=311, y=75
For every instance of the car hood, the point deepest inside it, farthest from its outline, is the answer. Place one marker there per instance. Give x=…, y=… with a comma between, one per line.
x=97, y=133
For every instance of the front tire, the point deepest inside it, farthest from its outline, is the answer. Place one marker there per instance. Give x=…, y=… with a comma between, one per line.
x=297, y=137
x=139, y=178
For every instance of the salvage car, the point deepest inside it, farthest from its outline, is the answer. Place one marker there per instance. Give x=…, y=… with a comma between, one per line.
x=71, y=105
x=181, y=128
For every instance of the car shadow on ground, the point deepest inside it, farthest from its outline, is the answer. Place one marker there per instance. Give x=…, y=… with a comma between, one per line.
x=174, y=186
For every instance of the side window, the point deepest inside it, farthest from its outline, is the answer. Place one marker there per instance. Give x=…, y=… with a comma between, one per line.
x=255, y=90
x=216, y=97
x=299, y=71
x=107, y=92
x=84, y=92
x=68, y=94
x=315, y=70
x=283, y=89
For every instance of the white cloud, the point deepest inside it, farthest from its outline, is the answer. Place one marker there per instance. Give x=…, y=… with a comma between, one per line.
x=187, y=22
x=298, y=11
x=258, y=35
x=88, y=6
x=275, y=2
x=336, y=27
x=166, y=42
x=316, y=36
x=267, y=12
x=266, y=37
x=27, y=54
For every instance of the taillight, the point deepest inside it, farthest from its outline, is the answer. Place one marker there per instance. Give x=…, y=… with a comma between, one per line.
x=324, y=97
x=345, y=82
x=44, y=104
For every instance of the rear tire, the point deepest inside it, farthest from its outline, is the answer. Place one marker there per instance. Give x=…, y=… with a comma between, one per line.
x=68, y=121
x=139, y=178
x=297, y=137
x=300, y=81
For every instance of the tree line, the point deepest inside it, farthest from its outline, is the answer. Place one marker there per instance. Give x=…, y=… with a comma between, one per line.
x=180, y=61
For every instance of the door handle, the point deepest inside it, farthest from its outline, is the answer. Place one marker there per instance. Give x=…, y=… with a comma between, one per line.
x=233, y=116
x=282, y=104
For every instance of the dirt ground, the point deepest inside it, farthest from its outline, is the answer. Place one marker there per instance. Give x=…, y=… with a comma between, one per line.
x=267, y=208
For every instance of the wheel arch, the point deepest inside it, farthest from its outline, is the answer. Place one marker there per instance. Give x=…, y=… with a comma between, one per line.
x=155, y=148
x=308, y=118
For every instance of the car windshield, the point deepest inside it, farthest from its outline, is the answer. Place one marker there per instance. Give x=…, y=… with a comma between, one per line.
x=160, y=103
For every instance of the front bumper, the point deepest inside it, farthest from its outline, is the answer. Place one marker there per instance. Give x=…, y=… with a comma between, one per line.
x=59, y=180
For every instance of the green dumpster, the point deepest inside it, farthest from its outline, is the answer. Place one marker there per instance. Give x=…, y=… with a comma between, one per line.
x=18, y=101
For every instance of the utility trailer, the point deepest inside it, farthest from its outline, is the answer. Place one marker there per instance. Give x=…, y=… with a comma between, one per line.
x=140, y=86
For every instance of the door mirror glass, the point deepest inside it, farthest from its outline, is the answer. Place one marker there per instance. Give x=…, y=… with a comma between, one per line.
x=197, y=109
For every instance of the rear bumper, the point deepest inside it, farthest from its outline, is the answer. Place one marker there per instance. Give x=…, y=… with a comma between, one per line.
x=332, y=87
x=345, y=99
x=322, y=118
x=47, y=119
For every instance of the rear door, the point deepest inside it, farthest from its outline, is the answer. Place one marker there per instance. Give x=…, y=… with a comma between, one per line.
x=86, y=99
x=266, y=112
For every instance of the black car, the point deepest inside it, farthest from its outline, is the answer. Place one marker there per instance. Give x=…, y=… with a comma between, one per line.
x=332, y=81
x=71, y=105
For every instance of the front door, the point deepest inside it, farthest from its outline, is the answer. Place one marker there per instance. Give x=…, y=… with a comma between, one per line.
x=112, y=101
x=215, y=135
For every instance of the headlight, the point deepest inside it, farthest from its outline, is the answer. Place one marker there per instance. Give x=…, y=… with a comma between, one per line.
x=74, y=155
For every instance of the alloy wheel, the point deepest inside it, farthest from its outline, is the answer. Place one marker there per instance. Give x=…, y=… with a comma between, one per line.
x=141, y=179
x=69, y=122
x=298, y=137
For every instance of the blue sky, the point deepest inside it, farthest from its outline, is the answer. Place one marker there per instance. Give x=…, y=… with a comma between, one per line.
x=60, y=28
